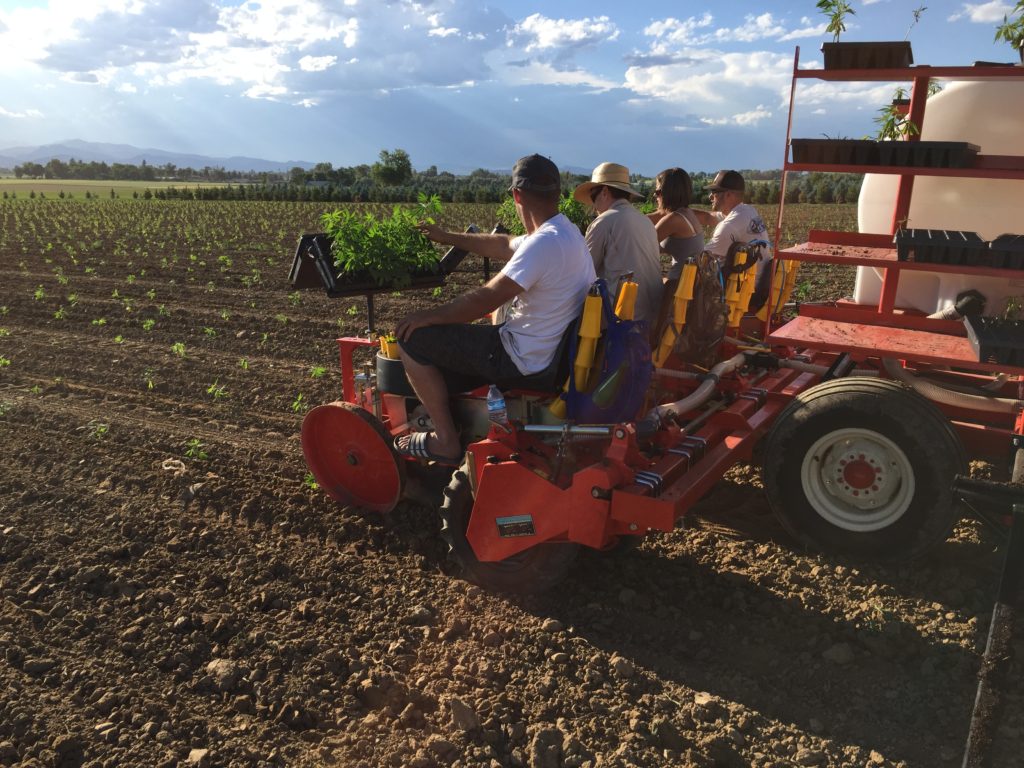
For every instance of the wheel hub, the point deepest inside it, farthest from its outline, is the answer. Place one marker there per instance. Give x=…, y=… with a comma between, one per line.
x=858, y=479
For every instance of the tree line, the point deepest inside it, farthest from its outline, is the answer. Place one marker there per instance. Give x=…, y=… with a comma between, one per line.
x=392, y=179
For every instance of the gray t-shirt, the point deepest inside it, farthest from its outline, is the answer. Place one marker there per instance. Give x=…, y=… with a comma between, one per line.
x=623, y=240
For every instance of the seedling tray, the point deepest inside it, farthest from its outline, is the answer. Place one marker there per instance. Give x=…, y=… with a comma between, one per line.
x=835, y=151
x=927, y=154
x=868, y=55
x=996, y=340
x=1007, y=251
x=939, y=246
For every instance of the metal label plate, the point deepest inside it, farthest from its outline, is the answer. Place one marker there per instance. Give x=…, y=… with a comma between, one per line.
x=515, y=525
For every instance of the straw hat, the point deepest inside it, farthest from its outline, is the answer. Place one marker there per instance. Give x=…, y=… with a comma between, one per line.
x=607, y=175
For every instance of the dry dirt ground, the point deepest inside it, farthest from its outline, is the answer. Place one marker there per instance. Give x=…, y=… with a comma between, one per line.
x=173, y=592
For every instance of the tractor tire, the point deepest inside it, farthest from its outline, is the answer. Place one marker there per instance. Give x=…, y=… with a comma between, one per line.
x=533, y=570
x=864, y=467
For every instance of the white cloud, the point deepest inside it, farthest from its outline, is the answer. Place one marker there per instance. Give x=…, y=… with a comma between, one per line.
x=542, y=73
x=543, y=34
x=283, y=49
x=753, y=28
x=679, y=32
x=20, y=115
x=317, y=63
x=753, y=117
x=983, y=13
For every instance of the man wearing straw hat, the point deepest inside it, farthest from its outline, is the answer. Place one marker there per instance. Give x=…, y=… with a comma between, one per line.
x=621, y=239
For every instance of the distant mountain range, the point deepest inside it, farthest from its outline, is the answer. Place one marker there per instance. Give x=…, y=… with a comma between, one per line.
x=91, y=151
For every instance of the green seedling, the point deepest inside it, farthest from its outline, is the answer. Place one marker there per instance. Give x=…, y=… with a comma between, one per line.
x=295, y=298
x=60, y=314
x=178, y=348
x=100, y=321
x=148, y=324
x=194, y=450
x=97, y=429
x=151, y=294
x=225, y=315
x=5, y=408
x=39, y=294
x=317, y=371
x=35, y=389
x=4, y=332
x=72, y=299
x=147, y=376
x=310, y=482
x=217, y=390
x=119, y=339
x=4, y=361
x=297, y=403
x=243, y=363
x=210, y=332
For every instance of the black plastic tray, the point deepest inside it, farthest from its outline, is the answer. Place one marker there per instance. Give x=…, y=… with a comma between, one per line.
x=868, y=55
x=1007, y=251
x=940, y=246
x=996, y=340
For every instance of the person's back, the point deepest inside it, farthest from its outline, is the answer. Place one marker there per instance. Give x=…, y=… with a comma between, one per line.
x=621, y=239
x=555, y=269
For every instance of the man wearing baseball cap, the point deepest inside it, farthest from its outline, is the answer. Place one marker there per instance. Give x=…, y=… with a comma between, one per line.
x=546, y=277
x=621, y=239
x=736, y=222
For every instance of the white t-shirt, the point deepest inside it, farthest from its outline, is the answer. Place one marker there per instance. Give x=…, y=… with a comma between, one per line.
x=742, y=225
x=554, y=268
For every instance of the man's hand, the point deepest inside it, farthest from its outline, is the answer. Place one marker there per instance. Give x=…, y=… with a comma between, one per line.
x=433, y=232
x=412, y=321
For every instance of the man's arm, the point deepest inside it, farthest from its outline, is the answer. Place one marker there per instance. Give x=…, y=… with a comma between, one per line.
x=481, y=243
x=464, y=309
x=706, y=218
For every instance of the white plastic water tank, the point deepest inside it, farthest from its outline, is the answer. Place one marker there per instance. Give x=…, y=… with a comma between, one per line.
x=991, y=115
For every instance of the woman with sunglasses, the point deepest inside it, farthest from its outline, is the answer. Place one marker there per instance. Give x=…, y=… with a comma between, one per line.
x=679, y=231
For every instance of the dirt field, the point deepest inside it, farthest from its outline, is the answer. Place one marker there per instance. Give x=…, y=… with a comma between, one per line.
x=174, y=591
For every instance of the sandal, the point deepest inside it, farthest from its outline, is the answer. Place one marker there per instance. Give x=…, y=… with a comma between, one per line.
x=416, y=448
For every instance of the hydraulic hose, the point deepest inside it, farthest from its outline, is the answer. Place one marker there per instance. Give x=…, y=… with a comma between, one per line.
x=945, y=396
x=701, y=394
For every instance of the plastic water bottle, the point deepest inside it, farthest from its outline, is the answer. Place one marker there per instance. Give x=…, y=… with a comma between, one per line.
x=496, y=410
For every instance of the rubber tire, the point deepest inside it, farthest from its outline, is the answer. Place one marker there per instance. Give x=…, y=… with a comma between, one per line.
x=535, y=570
x=915, y=425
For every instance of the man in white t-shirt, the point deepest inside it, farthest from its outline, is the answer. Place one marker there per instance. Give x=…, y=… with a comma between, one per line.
x=736, y=222
x=545, y=278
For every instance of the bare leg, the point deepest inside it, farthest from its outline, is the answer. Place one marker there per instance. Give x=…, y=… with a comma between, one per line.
x=430, y=388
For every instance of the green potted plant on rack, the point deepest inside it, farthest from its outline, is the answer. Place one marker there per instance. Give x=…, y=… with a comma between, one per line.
x=1012, y=32
x=382, y=253
x=869, y=55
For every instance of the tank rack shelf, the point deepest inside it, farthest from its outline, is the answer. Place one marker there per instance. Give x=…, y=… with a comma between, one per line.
x=912, y=73
x=864, y=250
x=988, y=166
x=875, y=341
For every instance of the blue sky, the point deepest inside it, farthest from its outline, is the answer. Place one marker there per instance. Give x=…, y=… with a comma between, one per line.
x=458, y=84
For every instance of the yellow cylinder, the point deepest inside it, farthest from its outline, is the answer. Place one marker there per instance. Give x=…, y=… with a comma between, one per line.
x=590, y=332
x=626, y=304
x=682, y=298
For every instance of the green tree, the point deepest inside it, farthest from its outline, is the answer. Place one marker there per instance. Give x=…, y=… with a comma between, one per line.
x=393, y=170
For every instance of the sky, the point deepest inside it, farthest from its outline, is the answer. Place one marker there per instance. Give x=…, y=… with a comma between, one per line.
x=458, y=84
